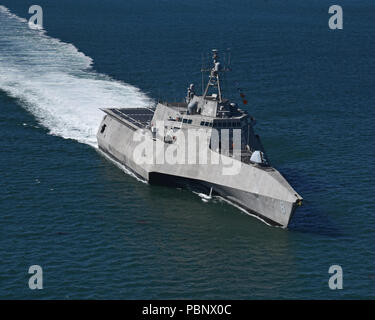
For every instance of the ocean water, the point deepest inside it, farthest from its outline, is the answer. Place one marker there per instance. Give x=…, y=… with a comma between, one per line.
x=98, y=232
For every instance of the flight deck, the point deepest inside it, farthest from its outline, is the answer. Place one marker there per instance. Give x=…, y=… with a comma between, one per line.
x=139, y=117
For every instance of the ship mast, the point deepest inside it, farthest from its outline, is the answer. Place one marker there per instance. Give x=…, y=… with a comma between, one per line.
x=214, y=77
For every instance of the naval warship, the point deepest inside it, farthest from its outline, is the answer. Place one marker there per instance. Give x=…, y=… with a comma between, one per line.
x=205, y=142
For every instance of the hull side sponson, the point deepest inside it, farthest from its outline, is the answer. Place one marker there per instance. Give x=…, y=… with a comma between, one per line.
x=277, y=210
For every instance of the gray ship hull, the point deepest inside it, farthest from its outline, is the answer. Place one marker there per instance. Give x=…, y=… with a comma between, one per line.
x=260, y=191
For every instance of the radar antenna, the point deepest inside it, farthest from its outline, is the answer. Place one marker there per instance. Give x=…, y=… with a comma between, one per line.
x=214, y=77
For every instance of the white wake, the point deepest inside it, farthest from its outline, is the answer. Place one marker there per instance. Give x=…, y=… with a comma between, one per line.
x=56, y=83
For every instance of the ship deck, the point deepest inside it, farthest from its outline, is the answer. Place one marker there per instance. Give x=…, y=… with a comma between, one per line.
x=140, y=117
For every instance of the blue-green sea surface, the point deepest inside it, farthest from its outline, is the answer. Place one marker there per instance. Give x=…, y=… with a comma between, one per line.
x=100, y=233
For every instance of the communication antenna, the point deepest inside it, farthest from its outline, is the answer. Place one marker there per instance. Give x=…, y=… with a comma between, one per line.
x=229, y=57
x=202, y=72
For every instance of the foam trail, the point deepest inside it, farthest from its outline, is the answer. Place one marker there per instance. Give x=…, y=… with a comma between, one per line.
x=56, y=83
